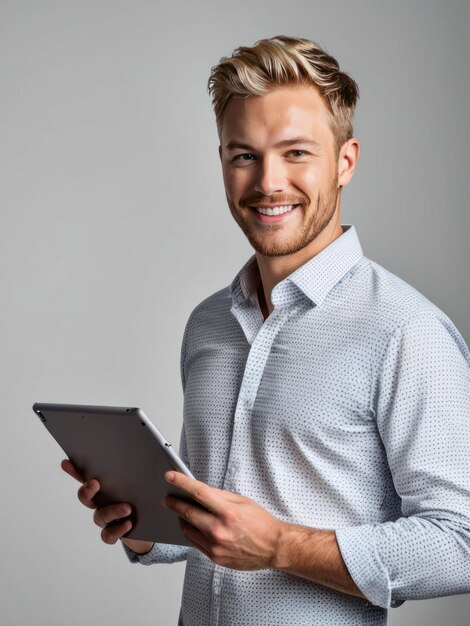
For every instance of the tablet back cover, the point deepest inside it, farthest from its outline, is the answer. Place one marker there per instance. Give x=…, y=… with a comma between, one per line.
x=118, y=446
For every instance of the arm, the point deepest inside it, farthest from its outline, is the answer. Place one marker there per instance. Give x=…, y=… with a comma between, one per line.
x=238, y=533
x=314, y=554
x=423, y=416
x=423, y=413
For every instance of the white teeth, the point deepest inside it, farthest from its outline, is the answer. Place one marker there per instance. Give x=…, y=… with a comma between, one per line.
x=278, y=210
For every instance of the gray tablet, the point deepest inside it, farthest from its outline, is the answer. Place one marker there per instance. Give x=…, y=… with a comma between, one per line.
x=124, y=450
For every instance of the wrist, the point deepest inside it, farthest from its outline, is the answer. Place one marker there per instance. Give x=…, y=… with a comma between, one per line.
x=314, y=554
x=285, y=540
x=137, y=546
x=295, y=540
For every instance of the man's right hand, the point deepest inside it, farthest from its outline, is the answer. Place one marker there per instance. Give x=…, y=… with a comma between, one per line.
x=106, y=517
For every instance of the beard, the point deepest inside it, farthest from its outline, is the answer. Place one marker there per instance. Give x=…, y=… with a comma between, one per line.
x=314, y=222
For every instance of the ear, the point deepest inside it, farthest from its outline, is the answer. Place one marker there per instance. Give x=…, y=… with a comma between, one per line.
x=348, y=156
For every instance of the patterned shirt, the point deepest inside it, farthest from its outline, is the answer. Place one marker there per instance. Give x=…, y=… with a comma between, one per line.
x=348, y=408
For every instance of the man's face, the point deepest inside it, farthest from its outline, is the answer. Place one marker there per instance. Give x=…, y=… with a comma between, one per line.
x=261, y=173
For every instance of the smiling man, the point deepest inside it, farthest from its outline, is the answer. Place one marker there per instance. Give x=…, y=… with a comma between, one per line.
x=327, y=401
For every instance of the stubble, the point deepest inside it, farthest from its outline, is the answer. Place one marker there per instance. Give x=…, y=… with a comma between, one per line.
x=314, y=221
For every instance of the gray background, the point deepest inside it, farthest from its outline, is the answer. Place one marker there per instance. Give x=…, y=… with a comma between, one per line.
x=114, y=225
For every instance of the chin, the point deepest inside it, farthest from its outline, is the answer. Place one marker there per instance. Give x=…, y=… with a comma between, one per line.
x=276, y=249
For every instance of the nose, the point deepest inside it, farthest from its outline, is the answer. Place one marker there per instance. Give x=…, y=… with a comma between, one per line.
x=270, y=176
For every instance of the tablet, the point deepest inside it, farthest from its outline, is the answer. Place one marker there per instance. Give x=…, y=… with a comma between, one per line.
x=125, y=451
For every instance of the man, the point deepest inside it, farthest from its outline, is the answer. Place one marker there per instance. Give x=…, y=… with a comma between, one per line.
x=326, y=400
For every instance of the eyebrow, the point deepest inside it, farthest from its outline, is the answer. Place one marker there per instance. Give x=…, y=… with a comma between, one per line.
x=234, y=145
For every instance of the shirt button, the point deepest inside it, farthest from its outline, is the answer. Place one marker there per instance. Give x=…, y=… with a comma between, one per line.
x=232, y=469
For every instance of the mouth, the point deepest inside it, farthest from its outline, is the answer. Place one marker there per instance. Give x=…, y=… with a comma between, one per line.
x=276, y=214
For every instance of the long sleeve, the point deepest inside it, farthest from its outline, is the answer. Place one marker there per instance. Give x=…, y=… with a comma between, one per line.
x=164, y=552
x=423, y=417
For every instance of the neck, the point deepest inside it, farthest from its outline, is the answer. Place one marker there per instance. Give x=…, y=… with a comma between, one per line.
x=274, y=269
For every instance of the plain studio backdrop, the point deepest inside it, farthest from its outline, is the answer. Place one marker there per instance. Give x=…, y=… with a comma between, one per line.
x=114, y=226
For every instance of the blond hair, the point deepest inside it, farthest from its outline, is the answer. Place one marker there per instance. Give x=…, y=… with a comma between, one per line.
x=281, y=61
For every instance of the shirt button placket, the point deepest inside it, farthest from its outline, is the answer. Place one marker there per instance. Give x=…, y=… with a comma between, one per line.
x=254, y=367
x=216, y=593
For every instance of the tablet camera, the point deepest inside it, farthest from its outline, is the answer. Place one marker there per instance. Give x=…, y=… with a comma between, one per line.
x=41, y=416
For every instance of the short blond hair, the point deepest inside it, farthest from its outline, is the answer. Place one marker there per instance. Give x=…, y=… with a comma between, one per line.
x=282, y=61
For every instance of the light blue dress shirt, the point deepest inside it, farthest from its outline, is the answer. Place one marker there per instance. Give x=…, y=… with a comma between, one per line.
x=347, y=409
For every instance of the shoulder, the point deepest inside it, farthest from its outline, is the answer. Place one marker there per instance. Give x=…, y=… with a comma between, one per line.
x=390, y=300
x=214, y=305
x=397, y=311
x=211, y=312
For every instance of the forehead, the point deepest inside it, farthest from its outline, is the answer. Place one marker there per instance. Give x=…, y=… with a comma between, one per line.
x=293, y=110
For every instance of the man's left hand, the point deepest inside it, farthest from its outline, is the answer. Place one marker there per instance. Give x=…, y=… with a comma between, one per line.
x=234, y=531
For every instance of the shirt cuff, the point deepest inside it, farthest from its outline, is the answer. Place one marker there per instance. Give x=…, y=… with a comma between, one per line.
x=365, y=566
x=160, y=553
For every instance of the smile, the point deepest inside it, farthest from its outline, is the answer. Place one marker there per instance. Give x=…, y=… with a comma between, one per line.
x=278, y=210
x=276, y=214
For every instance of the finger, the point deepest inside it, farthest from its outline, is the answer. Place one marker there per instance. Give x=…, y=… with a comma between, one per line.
x=201, y=519
x=213, y=499
x=195, y=536
x=69, y=468
x=87, y=492
x=110, y=534
x=107, y=514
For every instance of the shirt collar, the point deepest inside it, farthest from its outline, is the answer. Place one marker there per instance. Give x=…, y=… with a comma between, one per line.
x=314, y=279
